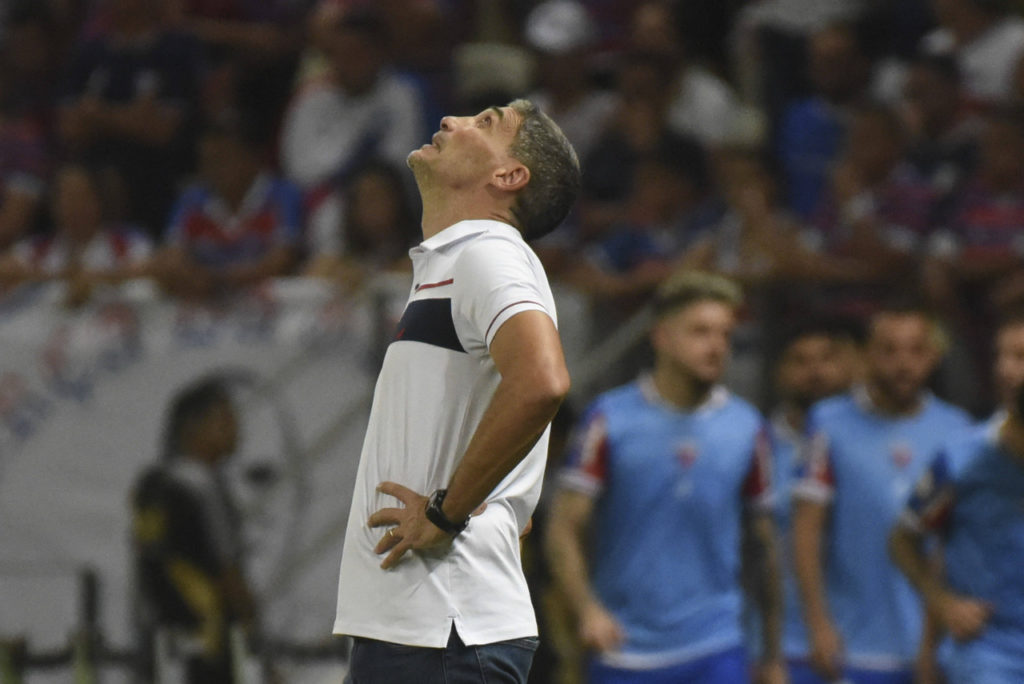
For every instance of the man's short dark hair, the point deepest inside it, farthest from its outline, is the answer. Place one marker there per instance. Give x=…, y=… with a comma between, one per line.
x=683, y=288
x=554, y=172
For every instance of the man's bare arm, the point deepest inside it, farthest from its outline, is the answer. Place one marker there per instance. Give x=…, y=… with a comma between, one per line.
x=767, y=581
x=534, y=380
x=808, y=530
x=567, y=528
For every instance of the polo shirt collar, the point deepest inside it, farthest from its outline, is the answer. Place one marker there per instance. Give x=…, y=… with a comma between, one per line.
x=460, y=231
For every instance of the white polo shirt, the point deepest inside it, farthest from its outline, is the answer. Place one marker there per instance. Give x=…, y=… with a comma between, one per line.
x=436, y=382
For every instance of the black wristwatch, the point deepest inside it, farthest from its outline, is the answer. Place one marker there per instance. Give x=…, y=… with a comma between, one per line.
x=436, y=515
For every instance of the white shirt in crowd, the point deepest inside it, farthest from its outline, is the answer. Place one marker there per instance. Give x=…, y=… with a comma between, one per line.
x=988, y=62
x=325, y=130
x=435, y=384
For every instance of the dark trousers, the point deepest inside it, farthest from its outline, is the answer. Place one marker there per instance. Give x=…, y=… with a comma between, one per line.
x=381, y=662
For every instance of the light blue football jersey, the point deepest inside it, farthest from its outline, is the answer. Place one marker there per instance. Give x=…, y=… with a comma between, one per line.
x=973, y=494
x=670, y=490
x=865, y=464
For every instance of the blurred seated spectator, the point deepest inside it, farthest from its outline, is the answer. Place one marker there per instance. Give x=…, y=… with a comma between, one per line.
x=87, y=245
x=377, y=230
x=358, y=110
x=266, y=29
x=23, y=169
x=667, y=209
x=987, y=42
x=562, y=34
x=878, y=209
x=700, y=103
x=33, y=44
x=976, y=257
x=636, y=128
x=237, y=225
x=129, y=97
x=943, y=136
x=755, y=241
x=811, y=131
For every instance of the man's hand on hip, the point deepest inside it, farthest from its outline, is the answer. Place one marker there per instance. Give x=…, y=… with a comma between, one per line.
x=408, y=527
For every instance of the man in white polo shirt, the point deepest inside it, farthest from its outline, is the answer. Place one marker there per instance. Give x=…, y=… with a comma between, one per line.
x=431, y=584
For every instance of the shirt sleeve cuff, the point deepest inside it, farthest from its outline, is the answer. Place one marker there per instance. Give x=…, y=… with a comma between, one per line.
x=809, y=490
x=507, y=313
x=577, y=481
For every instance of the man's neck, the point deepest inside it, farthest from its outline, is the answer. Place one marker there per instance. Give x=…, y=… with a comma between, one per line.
x=438, y=215
x=679, y=389
x=794, y=415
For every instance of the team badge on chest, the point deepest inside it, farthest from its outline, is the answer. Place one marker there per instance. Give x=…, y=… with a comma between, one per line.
x=686, y=454
x=901, y=454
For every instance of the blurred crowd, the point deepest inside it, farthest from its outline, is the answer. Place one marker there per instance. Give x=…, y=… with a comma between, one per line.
x=821, y=152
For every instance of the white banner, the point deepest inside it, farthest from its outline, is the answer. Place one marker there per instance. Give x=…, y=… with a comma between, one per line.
x=83, y=396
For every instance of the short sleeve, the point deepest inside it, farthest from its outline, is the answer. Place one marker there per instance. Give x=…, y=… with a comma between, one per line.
x=586, y=463
x=496, y=280
x=815, y=477
x=931, y=503
x=757, y=486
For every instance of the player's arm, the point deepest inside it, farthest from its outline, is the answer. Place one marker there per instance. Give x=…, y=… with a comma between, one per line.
x=565, y=546
x=929, y=506
x=809, y=518
x=763, y=560
x=534, y=380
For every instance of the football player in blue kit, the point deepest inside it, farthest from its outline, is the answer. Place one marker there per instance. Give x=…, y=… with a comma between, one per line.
x=662, y=477
x=972, y=500
x=867, y=449
x=817, y=359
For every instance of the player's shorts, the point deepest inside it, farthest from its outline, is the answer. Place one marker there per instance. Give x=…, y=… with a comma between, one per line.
x=802, y=673
x=726, y=667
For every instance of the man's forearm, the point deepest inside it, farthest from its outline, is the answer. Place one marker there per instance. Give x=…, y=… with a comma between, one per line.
x=808, y=523
x=566, y=556
x=768, y=587
x=906, y=551
x=515, y=419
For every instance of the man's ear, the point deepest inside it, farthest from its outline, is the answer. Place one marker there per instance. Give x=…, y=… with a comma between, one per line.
x=511, y=177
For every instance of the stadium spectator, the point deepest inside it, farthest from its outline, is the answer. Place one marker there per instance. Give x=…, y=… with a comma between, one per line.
x=1008, y=370
x=129, y=100
x=987, y=43
x=187, y=538
x=667, y=209
x=23, y=171
x=942, y=135
x=379, y=227
x=237, y=225
x=877, y=211
x=761, y=245
x=700, y=103
x=636, y=128
x=562, y=34
x=816, y=361
x=982, y=242
x=812, y=129
x=358, y=110
x=88, y=244
x=663, y=476
x=867, y=450
x=969, y=501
